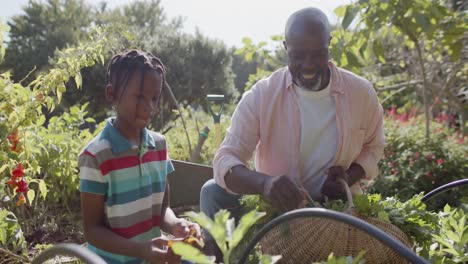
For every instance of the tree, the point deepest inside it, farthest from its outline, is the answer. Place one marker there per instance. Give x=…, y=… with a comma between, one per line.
x=43, y=28
x=196, y=65
x=429, y=28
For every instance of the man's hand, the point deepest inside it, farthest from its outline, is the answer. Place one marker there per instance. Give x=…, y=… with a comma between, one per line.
x=157, y=251
x=282, y=192
x=332, y=188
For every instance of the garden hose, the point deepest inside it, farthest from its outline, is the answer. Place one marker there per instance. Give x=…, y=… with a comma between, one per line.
x=342, y=217
x=443, y=188
x=69, y=249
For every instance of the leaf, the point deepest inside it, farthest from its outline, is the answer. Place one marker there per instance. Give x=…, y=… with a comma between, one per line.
x=246, y=41
x=340, y=11
x=247, y=221
x=40, y=121
x=3, y=236
x=267, y=259
x=379, y=51
x=455, y=50
x=2, y=53
x=191, y=253
x=78, y=80
x=353, y=60
x=350, y=14
x=221, y=217
x=43, y=189
x=424, y=23
x=4, y=167
x=31, y=196
x=216, y=231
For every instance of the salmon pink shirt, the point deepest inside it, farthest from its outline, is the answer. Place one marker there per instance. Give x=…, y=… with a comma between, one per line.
x=267, y=122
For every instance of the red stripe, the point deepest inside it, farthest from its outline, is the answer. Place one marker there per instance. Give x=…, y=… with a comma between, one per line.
x=139, y=228
x=87, y=153
x=154, y=156
x=118, y=163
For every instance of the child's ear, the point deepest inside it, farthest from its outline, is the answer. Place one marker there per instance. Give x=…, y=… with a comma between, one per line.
x=109, y=90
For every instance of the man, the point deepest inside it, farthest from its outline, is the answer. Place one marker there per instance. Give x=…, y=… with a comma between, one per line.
x=309, y=124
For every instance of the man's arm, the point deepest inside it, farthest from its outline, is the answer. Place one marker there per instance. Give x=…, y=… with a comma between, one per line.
x=229, y=165
x=374, y=142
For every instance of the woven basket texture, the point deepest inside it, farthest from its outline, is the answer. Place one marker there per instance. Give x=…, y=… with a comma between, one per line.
x=308, y=239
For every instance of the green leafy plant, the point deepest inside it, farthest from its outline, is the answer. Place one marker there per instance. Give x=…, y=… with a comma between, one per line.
x=359, y=259
x=412, y=165
x=38, y=151
x=451, y=243
x=11, y=236
x=224, y=232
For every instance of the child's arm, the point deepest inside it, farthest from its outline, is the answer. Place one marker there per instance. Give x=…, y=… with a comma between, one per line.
x=178, y=227
x=99, y=235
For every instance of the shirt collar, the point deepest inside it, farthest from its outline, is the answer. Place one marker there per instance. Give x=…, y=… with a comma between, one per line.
x=119, y=143
x=334, y=86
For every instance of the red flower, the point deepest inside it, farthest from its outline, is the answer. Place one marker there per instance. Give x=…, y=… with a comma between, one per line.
x=430, y=176
x=21, y=200
x=430, y=156
x=12, y=182
x=411, y=162
x=394, y=171
x=440, y=161
x=14, y=140
x=417, y=154
x=18, y=171
x=461, y=140
x=22, y=187
x=404, y=117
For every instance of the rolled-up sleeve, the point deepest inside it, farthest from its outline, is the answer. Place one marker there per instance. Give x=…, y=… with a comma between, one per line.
x=374, y=142
x=241, y=138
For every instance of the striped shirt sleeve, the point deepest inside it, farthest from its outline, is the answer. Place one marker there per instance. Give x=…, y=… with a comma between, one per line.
x=91, y=178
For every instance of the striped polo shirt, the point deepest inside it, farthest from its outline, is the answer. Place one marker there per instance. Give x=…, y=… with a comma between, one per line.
x=132, y=179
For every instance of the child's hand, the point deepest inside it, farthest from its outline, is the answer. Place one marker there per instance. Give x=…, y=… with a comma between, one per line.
x=157, y=251
x=184, y=228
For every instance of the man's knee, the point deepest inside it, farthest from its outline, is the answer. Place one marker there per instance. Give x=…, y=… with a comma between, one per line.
x=211, y=190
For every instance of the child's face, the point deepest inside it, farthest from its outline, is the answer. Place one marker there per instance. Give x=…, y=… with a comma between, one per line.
x=137, y=104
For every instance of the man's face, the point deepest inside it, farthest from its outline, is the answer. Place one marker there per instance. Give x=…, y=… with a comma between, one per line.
x=308, y=60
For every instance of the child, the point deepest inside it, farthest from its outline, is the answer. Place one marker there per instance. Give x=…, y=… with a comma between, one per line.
x=123, y=170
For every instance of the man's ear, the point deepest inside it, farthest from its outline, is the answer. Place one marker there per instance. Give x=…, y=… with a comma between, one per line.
x=109, y=91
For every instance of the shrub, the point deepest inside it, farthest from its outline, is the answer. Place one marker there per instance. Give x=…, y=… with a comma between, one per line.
x=412, y=165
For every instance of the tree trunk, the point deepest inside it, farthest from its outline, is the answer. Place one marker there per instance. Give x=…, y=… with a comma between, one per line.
x=425, y=88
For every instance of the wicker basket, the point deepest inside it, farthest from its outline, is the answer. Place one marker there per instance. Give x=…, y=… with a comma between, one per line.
x=304, y=240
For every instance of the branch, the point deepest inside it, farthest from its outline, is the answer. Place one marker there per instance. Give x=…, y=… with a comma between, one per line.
x=398, y=86
x=14, y=255
x=181, y=116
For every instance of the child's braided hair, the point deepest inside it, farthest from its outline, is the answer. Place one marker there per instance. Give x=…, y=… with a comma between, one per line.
x=122, y=66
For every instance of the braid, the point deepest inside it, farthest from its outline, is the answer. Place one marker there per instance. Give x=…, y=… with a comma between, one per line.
x=122, y=66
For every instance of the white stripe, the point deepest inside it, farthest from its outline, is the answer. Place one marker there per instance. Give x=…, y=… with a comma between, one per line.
x=91, y=174
x=119, y=210
x=98, y=145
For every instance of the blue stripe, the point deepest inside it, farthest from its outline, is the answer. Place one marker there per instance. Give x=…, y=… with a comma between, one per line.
x=170, y=167
x=111, y=257
x=133, y=195
x=93, y=187
x=122, y=186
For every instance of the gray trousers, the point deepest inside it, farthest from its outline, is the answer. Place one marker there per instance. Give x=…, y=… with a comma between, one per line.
x=214, y=198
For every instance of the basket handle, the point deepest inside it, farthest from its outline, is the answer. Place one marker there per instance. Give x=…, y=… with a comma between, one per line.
x=349, y=196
